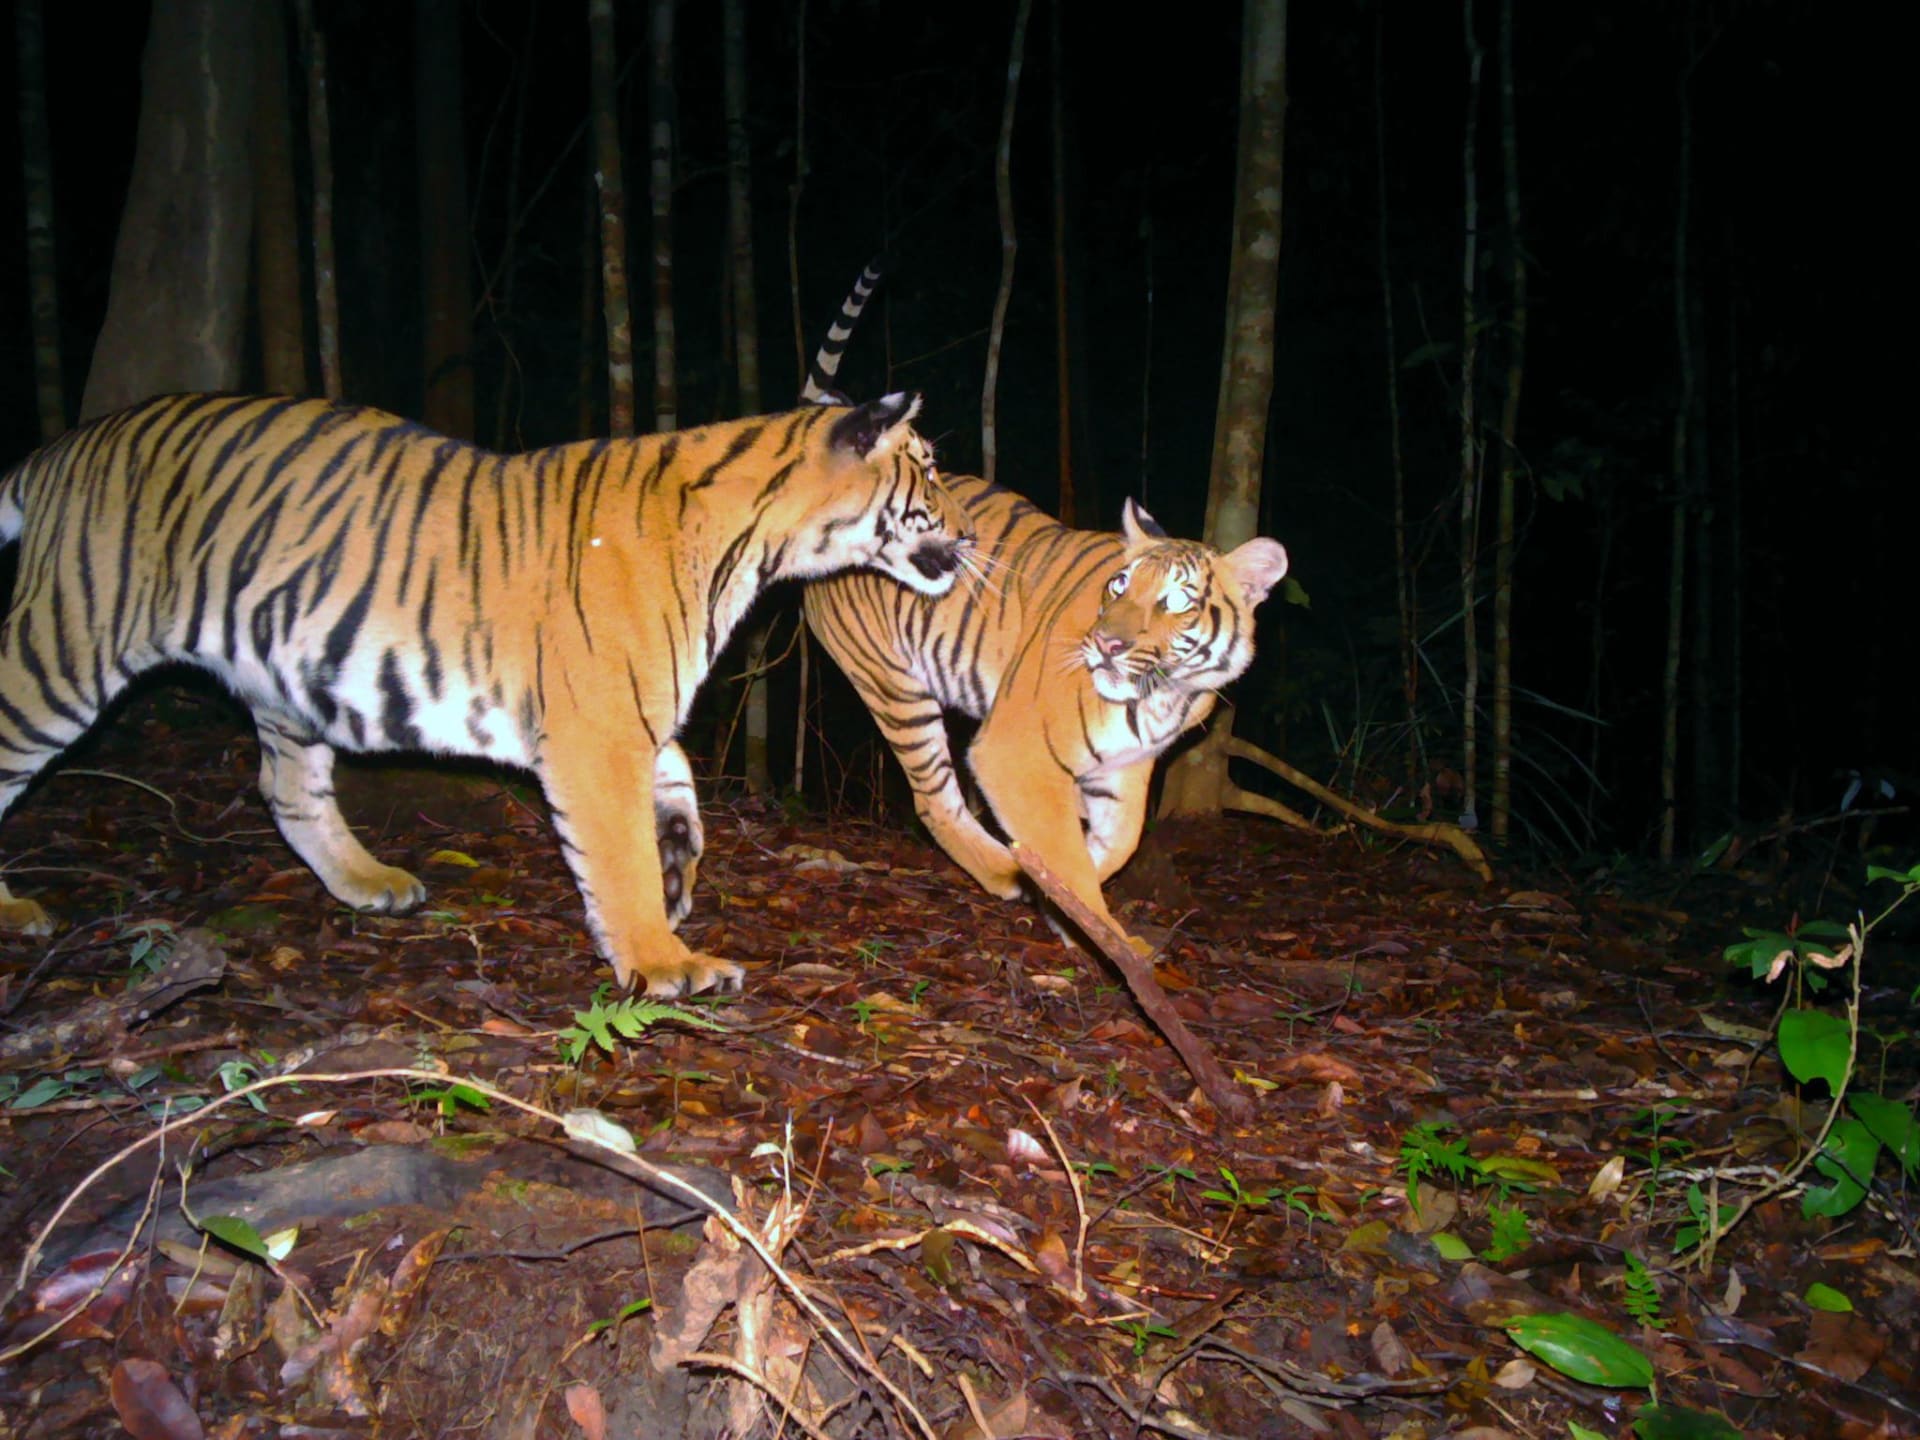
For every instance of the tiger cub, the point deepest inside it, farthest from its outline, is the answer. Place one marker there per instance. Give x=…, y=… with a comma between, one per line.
x=1084, y=655
x=362, y=583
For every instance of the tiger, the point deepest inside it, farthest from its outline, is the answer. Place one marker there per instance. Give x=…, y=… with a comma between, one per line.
x=364, y=584
x=1084, y=655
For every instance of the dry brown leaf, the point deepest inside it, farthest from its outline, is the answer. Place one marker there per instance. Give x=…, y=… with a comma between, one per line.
x=150, y=1405
x=588, y=1411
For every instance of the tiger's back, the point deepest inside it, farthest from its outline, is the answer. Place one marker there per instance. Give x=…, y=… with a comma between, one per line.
x=363, y=583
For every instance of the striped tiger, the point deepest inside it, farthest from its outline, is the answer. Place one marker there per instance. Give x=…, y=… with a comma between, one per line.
x=364, y=584
x=1083, y=654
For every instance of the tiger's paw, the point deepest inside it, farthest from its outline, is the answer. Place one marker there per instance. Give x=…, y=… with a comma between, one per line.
x=382, y=889
x=681, y=842
x=687, y=973
x=24, y=916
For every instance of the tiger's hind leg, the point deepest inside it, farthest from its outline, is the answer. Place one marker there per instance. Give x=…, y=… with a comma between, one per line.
x=676, y=823
x=45, y=705
x=296, y=777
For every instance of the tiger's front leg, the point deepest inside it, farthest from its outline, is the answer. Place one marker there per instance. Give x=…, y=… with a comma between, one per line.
x=296, y=777
x=1115, y=809
x=677, y=829
x=1039, y=806
x=600, y=784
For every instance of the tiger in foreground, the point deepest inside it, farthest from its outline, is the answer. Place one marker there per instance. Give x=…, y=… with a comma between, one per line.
x=1083, y=654
x=364, y=584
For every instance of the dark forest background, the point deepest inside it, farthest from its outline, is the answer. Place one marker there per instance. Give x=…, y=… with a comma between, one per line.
x=1792, y=285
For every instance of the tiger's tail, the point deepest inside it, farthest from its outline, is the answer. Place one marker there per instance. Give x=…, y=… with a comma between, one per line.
x=818, y=389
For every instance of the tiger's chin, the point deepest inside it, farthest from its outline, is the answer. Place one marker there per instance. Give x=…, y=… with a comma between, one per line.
x=1115, y=686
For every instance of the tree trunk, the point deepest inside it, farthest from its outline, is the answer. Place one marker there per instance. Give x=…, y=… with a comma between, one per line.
x=1509, y=450
x=666, y=401
x=1597, y=638
x=36, y=164
x=326, y=301
x=1703, y=750
x=746, y=313
x=276, y=219
x=1470, y=449
x=441, y=185
x=1009, y=247
x=176, y=302
x=1253, y=281
x=1677, y=545
x=1063, y=372
x=1736, y=562
x=613, y=220
x=1405, y=590
x=746, y=334
x=1197, y=782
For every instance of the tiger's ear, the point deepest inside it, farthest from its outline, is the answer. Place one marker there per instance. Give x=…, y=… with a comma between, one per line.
x=873, y=429
x=1256, y=567
x=1138, y=526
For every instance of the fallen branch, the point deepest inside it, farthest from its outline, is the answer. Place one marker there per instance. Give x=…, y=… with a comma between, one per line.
x=1197, y=784
x=1206, y=1071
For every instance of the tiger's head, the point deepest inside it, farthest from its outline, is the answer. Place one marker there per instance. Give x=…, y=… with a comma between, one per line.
x=1177, y=614
x=904, y=524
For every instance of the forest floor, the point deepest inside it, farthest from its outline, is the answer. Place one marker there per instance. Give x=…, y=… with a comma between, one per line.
x=999, y=1206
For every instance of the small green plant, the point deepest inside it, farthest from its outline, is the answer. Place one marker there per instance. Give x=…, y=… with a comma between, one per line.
x=1660, y=1149
x=627, y=1018
x=152, y=948
x=871, y=950
x=1145, y=1331
x=1643, y=1294
x=1690, y=1232
x=625, y=1312
x=1815, y=1044
x=1511, y=1234
x=447, y=1099
x=1424, y=1153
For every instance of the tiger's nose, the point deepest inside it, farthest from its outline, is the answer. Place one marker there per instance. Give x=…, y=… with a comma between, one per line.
x=1110, y=645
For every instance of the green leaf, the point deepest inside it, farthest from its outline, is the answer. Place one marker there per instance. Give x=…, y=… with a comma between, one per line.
x=43, y=1091
x=1672, y=1422
x=1582, y=1348
x=1814, y=1046
x=1581, y=1432
x=1850, y=1150
x=1518, y=1167
x=1825, y=1297
x=1905, y=877
x=1451, y=1246
x=1893, y=1125
x=237, y=1234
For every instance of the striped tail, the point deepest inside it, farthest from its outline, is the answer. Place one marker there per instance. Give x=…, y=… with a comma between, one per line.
x=818, y=389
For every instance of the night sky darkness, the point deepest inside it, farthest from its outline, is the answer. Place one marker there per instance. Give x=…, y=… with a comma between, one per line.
x=1799, y=295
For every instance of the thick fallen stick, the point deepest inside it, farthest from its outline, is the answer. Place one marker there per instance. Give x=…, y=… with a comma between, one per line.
x=1212, y=1080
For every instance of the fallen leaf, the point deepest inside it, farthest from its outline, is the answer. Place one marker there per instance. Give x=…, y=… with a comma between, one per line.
x=588, y=1412
x=150, y=1405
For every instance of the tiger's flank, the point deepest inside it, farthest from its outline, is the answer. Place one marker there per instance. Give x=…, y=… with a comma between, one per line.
x=365, y=584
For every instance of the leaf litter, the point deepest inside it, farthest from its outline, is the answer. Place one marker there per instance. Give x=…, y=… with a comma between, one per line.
x=967, y=1189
